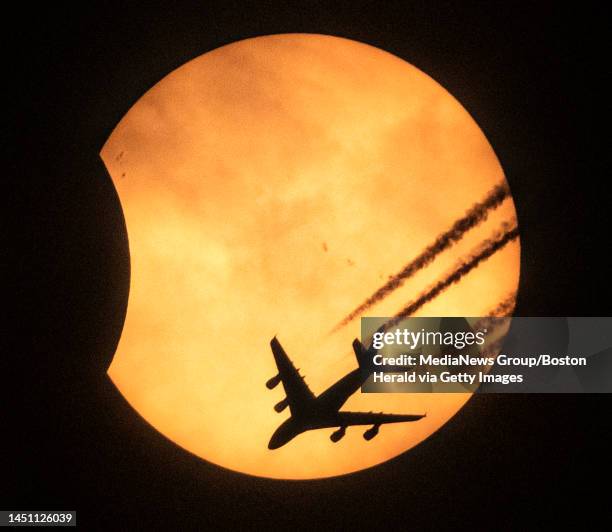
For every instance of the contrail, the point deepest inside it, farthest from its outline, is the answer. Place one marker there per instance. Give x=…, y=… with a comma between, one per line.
x=502, y=309
x=495, y=315
x=478, y=213
x=484, y=251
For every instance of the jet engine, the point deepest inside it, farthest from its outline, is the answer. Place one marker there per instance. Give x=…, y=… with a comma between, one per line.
x=371, y=433
x=338, y=435
x=273, y=382
x=281, y=405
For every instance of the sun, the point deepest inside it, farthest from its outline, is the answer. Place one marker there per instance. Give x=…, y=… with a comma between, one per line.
x=268, y=188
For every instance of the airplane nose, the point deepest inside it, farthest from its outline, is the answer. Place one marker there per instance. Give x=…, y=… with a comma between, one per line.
x=275, y=441
x=282, y=435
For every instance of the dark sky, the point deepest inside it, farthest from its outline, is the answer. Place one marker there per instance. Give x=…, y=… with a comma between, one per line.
x=531, y=77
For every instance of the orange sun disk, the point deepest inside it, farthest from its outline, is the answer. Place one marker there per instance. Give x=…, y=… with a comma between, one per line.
x=269, y=187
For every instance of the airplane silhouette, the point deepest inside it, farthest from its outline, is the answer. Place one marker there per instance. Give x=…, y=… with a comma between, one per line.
x=310, y=412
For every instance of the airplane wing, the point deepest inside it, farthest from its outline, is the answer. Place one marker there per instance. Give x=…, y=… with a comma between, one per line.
x=297, y=391
x=370, y=418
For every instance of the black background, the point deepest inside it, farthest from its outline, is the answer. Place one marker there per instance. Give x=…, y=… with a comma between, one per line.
x=530, y=76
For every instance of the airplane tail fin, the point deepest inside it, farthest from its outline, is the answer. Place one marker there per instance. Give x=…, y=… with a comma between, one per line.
x=361, y=354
